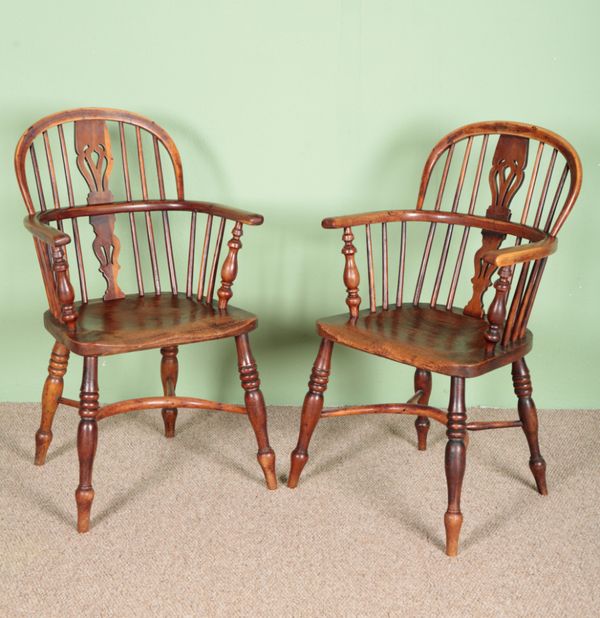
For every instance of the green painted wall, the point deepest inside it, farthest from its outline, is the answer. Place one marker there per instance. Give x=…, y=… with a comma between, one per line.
x=300, y=110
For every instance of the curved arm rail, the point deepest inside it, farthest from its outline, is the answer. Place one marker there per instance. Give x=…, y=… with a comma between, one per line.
x=508, y=256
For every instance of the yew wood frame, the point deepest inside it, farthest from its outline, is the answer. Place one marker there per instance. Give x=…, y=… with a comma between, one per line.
x=506, y=339
x=62, y=319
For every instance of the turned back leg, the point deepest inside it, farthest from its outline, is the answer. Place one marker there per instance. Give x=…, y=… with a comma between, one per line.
x=256, y=409
x=528, y=416
x=422, y=423
x=169, y=369
x=311, y=410
x=52, y=392
x=87, y=439
x=455, y=462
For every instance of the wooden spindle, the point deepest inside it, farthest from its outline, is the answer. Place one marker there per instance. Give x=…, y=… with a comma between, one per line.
x=213, y=271
x=538, y=214
x=132, y=224
x=191, y=251
x=559, y=189
x=402, y=258
x=450, y=229
x=528, y=299
x=74, y=222
x=432, y=228
x=515, y=304
x=351, y=275
x=204, y=257
x=165, y=218
x=465, y=236
x=230, y=267
x=371, y=271
x=149, y=227
x=497, y=310
x=38, y=180
x=52, y=174
x=384, y=266
x=534, y=173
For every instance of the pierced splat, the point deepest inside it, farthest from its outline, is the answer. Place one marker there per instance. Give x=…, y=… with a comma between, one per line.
x=505, y=178
x=94, y=161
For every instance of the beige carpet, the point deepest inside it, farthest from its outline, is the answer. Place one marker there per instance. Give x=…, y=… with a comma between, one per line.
x=184, y=527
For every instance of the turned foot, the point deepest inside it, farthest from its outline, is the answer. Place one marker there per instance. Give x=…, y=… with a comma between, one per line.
x=529, y=418
x=52, y=392
x=256, y=409
x=311, y=410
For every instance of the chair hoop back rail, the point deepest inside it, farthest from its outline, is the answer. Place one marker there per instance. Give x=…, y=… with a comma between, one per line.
x=534, y=178
x=116, y=168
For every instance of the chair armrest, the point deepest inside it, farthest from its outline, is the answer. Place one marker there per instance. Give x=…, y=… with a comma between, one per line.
x=46, y=233
x=509, y=256
x=92, y=210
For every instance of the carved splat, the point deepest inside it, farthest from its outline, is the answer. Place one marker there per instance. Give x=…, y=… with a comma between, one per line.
x=94, y=161
x=505, y=178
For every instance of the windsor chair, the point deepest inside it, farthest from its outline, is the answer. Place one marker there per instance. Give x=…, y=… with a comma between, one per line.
x=441, y=335
x=105, y=320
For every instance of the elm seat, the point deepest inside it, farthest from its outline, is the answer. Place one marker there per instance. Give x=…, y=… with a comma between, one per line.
x=435, y=339
x=145, y=322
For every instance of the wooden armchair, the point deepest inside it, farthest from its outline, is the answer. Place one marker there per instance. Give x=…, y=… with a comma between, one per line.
x=151, y=317
x=435, y=333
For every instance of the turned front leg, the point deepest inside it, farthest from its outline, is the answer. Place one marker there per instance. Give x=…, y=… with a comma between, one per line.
x=87, y=439
x=169, y=369
x=256, y=409
x=52, y=392
x=311, y=410
x=529, y=418
x=422, y=423
x=455, y=462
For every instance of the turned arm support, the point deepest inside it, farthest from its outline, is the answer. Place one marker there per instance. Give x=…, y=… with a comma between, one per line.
x=230, y=267
x=56, y=241
x=351, y=274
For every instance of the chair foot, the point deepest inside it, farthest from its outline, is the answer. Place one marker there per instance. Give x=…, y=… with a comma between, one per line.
x=266, y=460
x=42, y=443
x=311, y=410
x=422, y=382
x=538, y=469
x=452, y=523
x=528, y=415
x=52, y=392
x=256, y=409
x=169, y=416
x=84, y=499
x=422, y=424
x=298, y=461
x=455, y=462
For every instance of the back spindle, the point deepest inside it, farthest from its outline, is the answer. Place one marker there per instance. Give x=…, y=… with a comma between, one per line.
x=432, y=228
x=402, y=260
x=371, y=271
x=215, y=263
x=384, y=265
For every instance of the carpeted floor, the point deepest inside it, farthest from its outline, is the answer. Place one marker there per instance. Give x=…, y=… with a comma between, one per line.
x=184, y=527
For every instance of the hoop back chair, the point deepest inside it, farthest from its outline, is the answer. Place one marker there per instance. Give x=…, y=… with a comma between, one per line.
x=425, y=324
x=113, y=175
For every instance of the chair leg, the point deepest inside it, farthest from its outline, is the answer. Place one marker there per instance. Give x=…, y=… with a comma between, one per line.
x=455, y=462
x=52, y=392
x=311, y=410
x=255, y=407
x=169, y=368
x=422, y=423
x=87, y=439
x=528, y=416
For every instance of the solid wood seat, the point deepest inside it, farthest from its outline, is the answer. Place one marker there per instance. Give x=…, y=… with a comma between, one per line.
x=435, y=339
x=145, y=322
x=422, y=322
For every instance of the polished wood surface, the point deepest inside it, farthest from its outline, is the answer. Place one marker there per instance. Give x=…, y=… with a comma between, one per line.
x=473, y=295
x=146, y=322
x=434, y=339
x=122, y=174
